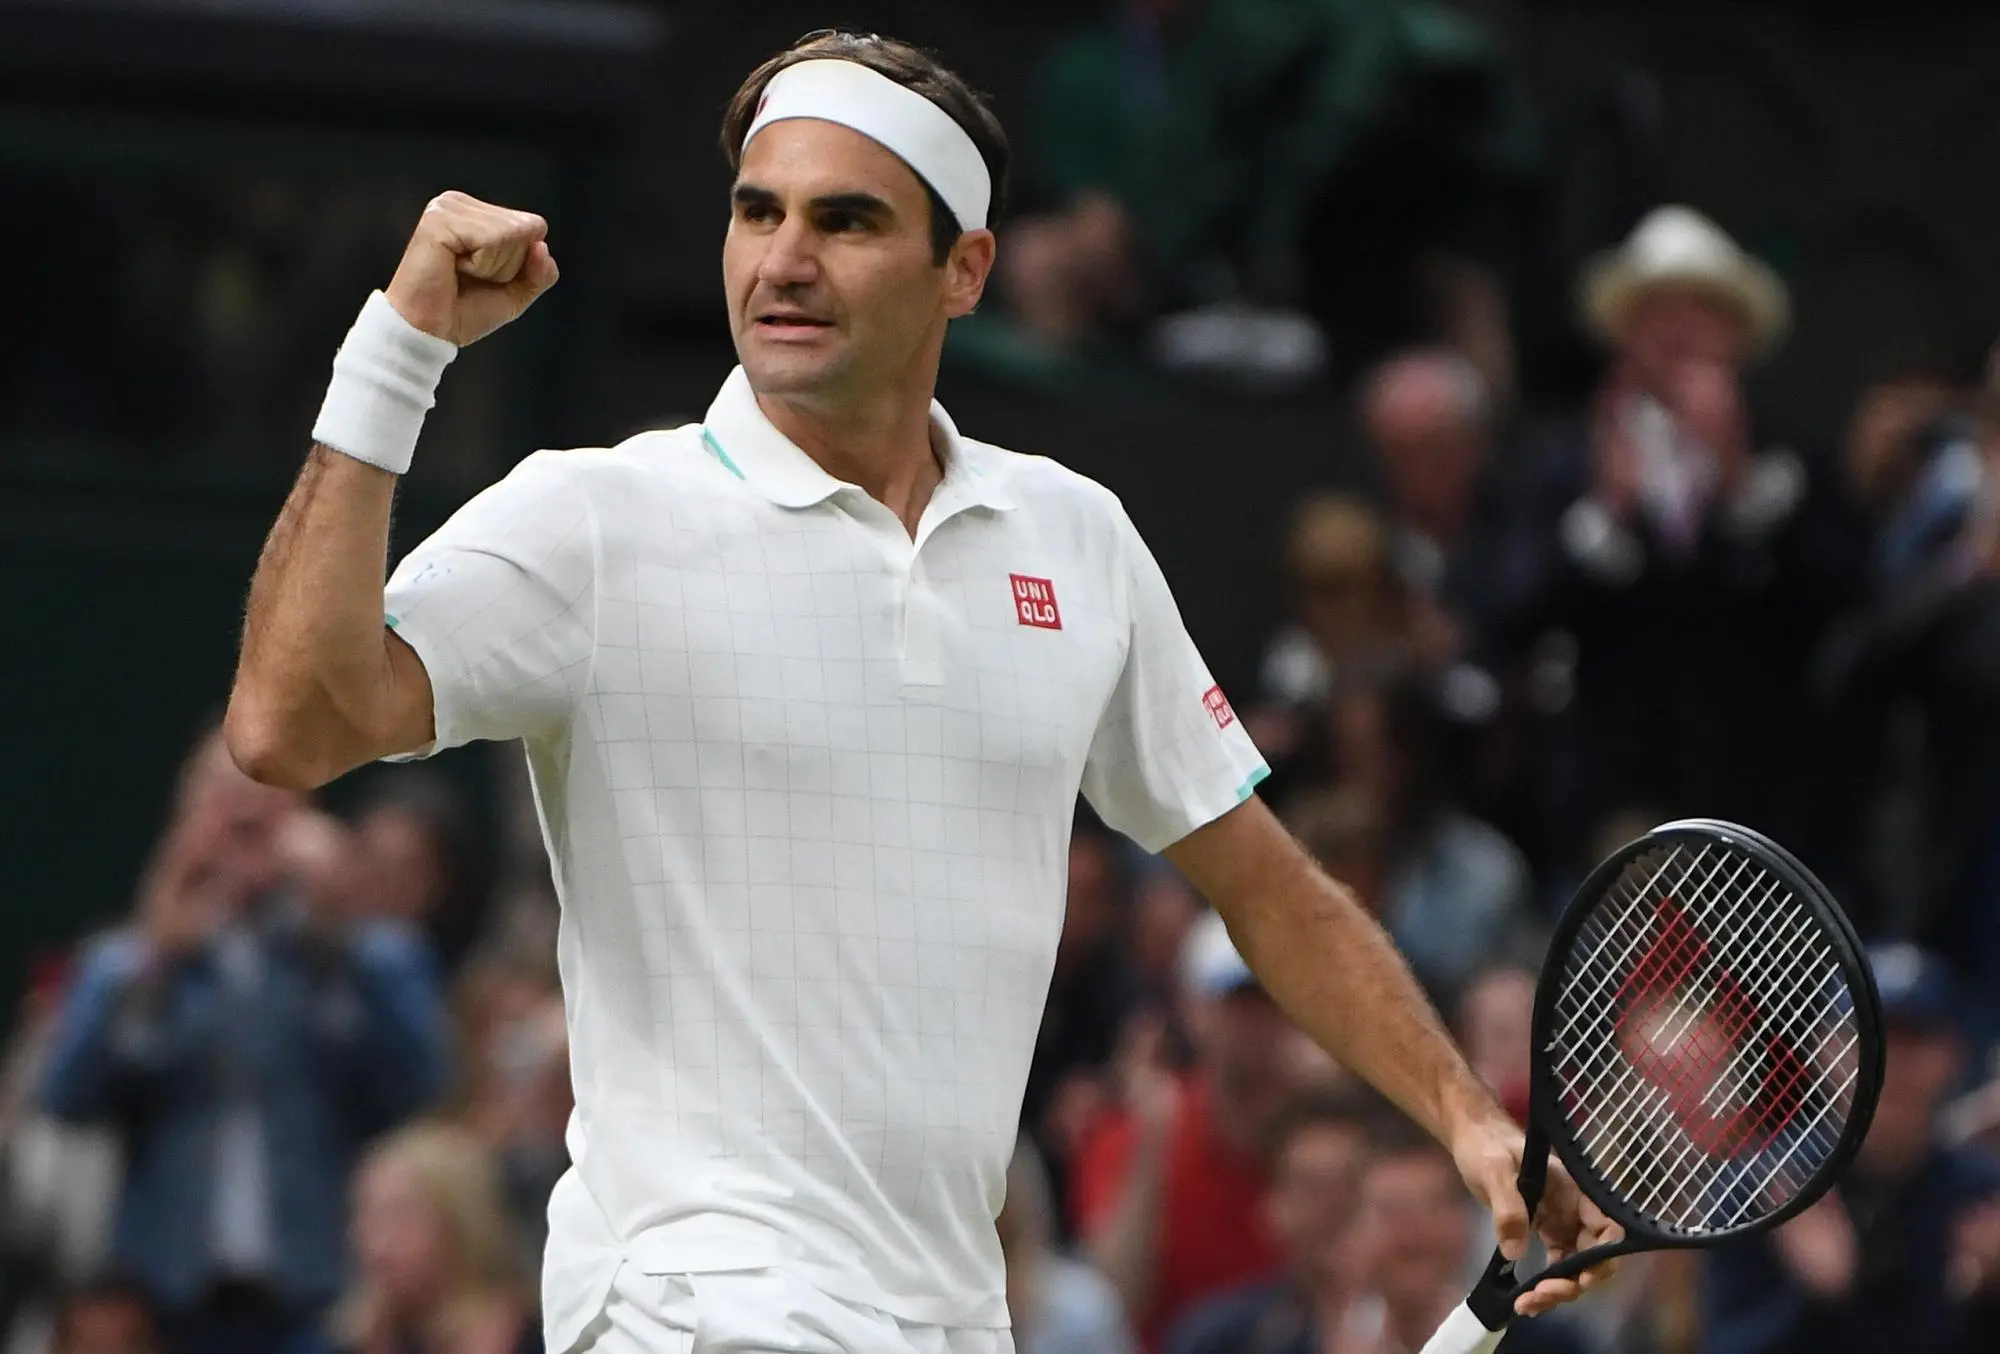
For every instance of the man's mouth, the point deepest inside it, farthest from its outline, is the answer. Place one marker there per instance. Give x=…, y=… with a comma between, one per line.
x=793, y=322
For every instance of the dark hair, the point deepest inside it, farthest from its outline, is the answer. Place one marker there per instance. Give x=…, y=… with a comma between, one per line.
x=909, y=66
x=1346, y=1103
x=1395, y=1134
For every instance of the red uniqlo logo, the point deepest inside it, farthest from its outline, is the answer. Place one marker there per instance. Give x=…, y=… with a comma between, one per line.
x=1035, y=602
x=1217, y=705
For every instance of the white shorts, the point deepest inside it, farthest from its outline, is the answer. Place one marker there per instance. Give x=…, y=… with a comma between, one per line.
x=760, y=1312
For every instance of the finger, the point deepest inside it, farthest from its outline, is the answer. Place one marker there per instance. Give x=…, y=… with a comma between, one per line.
x=1547, y=1296
x=537, y=274
x=498, y=262
x=1510, y=1219
x=1559, y=1218
x=490, y=242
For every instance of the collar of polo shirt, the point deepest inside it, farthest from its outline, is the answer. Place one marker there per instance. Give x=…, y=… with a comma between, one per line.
x=738, y=435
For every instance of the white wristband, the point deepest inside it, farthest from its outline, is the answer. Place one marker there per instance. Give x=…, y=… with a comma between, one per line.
x=385, y=380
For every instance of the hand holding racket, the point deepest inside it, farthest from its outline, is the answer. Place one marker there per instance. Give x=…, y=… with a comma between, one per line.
x=1707, y=1055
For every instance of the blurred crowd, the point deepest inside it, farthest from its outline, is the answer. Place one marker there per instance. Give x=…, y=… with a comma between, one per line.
x=310, y=1094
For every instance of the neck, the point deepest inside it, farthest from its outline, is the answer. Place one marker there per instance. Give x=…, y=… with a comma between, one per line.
x=882, y=444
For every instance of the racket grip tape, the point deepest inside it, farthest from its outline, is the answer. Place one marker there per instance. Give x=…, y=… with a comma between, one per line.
x=1463, y=1333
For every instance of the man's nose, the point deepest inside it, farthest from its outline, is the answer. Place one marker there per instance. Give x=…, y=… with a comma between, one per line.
x=792, y=258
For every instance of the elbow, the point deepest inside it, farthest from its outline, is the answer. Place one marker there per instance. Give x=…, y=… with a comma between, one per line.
x=268, y=749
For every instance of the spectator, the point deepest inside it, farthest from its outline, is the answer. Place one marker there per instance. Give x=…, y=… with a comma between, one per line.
x=1351, y=624
x=1496, y=1015
x=435, y=1269
x=1428, y=421
x=58, y=1181
x=1171, y=142
x=423, y=861
x=1905, y=1253
x=107, y=1316
x=515, y=1093
x=1688, y=554
x=1915, y=678
x=1316, y=1156
x=1346, y=830
x=244, y=1044
x=1168, y=1185
x=1165, y=909
x=1091, y=992
x=1416, y=1230
x=1912, y=460
x=1451, y=889
x=1057, y=1305
x=1235, y=162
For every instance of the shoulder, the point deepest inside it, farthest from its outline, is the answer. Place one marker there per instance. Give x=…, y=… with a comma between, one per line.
x=1042, y=480
x=669, y=453
x=625, y=492
x=1059, y=503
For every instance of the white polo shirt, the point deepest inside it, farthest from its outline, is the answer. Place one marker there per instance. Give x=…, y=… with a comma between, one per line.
x=807, y=785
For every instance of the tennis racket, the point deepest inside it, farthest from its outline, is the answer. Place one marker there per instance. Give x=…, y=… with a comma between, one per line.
x=1708, y=1053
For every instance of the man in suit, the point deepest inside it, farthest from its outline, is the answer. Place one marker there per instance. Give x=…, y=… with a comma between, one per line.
x=244, y=1042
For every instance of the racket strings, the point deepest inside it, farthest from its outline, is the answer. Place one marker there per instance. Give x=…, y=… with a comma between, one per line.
x=1650, y=1067
x=1705, y=1048
x=1630, y=1075
x=1627, y=1079
x=1676, y=1085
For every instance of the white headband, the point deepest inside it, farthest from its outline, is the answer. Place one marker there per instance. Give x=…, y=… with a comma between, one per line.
x=921, y=134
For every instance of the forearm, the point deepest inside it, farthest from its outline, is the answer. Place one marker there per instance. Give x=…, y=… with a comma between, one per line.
x=314, y=683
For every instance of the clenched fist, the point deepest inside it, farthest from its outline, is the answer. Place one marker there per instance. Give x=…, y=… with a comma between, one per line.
x=470, y=268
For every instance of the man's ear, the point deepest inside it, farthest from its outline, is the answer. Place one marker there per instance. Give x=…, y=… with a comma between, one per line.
x=967, y=267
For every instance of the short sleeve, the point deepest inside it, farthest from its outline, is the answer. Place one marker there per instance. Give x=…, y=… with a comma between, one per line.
x=1169, y=754
x=499, y=605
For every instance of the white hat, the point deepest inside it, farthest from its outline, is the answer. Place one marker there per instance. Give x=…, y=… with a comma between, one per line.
x=1679, y=247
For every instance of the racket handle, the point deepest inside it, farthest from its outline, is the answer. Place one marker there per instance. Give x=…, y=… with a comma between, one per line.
x=1463, y=1333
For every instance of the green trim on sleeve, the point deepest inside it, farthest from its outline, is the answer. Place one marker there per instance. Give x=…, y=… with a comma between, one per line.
x=392, y=621
x=1250, y=784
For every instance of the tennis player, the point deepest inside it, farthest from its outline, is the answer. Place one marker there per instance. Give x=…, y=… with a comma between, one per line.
x=808, y=692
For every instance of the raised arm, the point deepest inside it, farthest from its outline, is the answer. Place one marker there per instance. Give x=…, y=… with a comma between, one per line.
x=322, y=686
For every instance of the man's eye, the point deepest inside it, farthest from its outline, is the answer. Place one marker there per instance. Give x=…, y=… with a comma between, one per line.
x=757, y=213
x=839, y=223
